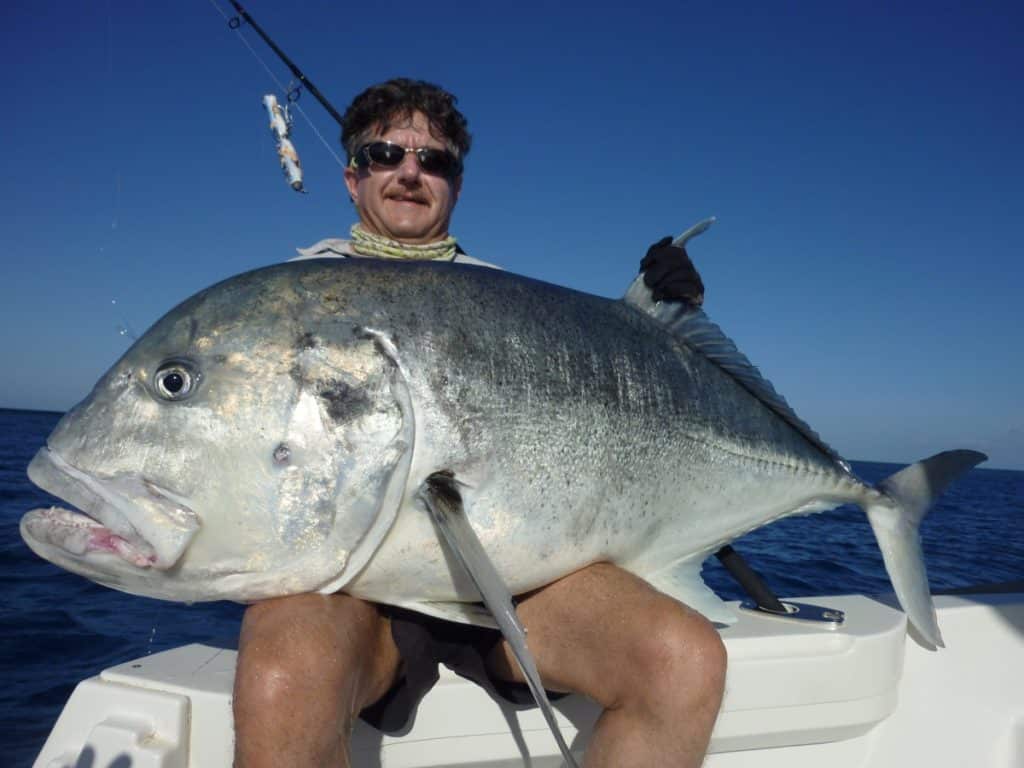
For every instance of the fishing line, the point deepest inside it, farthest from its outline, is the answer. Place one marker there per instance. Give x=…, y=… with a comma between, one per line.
x=233, y=23
x=123, y=328
x=109, y=239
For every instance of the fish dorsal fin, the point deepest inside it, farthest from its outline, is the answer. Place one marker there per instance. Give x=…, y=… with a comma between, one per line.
x=693, y=328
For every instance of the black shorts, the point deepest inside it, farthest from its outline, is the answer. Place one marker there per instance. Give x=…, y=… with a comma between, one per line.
x=424, y=642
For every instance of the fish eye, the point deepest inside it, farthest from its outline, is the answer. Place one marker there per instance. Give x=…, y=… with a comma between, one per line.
x=175, y=380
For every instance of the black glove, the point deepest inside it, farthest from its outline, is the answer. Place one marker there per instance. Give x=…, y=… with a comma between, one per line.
x=670, y=274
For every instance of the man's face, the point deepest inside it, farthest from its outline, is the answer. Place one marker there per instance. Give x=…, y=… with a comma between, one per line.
x=404, y=203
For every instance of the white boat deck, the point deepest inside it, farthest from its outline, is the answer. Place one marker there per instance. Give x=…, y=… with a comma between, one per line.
x=861, y=695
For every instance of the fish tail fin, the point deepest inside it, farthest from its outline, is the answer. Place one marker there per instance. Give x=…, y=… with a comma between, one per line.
x=895, y=519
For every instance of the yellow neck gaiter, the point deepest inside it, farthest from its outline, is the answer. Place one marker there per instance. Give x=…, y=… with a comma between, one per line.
x=368, y=244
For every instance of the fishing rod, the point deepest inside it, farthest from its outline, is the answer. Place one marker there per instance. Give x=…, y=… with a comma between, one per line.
x=280, y=114
x=298, y=74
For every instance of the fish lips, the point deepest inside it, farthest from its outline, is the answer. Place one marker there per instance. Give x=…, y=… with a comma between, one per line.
x=125, y=516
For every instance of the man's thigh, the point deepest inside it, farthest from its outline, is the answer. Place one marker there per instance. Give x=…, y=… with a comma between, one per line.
x=598, y=630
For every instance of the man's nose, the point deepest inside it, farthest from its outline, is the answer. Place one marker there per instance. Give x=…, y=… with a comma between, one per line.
x=409, y=168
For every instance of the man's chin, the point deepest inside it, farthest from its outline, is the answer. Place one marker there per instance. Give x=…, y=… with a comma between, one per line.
x=414, y=232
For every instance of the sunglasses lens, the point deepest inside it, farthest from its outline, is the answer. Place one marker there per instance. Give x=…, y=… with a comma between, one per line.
x=384, y=153
x=439, y=162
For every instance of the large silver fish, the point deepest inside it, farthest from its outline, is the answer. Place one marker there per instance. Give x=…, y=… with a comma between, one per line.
x=271, y=435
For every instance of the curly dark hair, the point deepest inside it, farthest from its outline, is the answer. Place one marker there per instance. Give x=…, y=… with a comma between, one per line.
x=379, y=107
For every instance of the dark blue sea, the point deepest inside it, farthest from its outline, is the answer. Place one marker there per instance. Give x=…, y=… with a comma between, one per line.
x=56, y=628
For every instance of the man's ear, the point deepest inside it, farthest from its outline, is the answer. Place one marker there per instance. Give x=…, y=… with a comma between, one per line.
x=351, y=182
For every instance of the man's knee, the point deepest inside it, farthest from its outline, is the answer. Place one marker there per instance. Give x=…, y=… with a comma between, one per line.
x=265, y=682
x=679, y=657
x=314, y=647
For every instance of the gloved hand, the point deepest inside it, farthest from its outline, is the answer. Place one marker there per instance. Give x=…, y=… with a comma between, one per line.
x=670, y=274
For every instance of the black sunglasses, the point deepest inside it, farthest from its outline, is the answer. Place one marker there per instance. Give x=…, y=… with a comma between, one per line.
x=437, y=162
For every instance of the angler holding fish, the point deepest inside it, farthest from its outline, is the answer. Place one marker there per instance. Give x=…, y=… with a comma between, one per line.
x=308, y=664
x=365, y=447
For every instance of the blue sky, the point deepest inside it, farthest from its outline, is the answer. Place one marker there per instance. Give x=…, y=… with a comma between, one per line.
x=865, y=165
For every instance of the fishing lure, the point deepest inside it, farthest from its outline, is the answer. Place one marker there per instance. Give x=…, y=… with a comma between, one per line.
x=280, y=126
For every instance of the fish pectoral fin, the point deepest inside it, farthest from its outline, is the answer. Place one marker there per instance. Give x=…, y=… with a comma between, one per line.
x=683, y=582
x=440, y=493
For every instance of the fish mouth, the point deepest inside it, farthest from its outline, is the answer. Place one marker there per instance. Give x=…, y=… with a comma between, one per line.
x=125, y=517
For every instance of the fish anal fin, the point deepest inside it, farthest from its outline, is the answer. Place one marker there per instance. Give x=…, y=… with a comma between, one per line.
x=461, y=613
x=683, y=582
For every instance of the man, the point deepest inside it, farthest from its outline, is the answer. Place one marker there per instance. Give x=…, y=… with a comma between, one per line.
x=309, y=665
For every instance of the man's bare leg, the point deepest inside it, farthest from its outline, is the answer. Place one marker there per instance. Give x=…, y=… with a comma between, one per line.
x=656, y=666
x=307, y=665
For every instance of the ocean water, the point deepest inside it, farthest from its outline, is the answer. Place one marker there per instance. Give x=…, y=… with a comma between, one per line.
x=56, y=628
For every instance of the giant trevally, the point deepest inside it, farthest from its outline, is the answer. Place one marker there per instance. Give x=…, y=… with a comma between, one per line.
x=271, y=435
